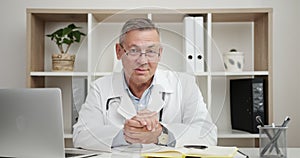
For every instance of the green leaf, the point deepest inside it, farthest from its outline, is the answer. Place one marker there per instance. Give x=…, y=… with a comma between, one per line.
x=66, y=31
x=77, y=36
x=72, y=26
x=67, y=41
x=58, y=32
x=71, y=36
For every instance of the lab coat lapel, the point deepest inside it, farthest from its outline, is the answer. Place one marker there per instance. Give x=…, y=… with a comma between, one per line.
x=156, y=102
x=126, y=107
x=161, y=85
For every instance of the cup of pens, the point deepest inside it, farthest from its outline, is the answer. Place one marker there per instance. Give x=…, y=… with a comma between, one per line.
x=272, y=140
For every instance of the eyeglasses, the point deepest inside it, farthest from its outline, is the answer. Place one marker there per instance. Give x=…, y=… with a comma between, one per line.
x=151, y=53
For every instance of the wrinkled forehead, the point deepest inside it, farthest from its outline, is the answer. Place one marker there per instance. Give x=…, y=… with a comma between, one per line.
x=142, y=37
x=146, y=45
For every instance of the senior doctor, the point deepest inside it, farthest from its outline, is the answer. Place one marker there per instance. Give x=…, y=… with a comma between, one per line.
x=141, y=104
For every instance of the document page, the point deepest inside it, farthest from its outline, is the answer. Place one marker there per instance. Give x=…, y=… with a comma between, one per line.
x=210, y=151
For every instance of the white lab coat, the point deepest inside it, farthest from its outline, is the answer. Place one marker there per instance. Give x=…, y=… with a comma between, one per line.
x=184, y=112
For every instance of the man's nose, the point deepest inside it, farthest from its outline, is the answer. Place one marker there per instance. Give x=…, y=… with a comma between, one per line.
x=142, y=58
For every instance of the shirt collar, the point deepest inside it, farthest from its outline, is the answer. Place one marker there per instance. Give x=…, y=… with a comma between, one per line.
x=160, y=78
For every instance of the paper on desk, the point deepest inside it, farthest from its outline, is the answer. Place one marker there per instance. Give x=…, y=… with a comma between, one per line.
x=211, y=151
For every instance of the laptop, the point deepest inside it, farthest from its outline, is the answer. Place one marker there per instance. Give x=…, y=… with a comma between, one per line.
x=31, y=123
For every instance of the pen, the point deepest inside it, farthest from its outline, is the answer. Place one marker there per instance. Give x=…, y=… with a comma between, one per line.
x=243, y=154
x=195, y=146
x=286, y=121
x=259, y=121
x=284, y=124
x=275, y=143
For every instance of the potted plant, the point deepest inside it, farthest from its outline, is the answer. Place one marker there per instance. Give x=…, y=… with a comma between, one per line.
x=64, y=38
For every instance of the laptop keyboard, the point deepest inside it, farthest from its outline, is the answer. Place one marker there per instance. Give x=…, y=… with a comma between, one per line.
x=67, y=155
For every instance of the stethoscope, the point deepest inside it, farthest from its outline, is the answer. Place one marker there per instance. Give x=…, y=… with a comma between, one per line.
x=112, y=100
x=118, y=99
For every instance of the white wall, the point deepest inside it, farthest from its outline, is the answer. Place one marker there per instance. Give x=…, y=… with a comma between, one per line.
x=286, y=52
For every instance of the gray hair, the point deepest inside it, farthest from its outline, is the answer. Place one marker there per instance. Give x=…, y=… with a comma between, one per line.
x=136, y=24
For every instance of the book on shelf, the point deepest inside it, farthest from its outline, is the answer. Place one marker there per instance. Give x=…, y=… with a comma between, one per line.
x=183, y=152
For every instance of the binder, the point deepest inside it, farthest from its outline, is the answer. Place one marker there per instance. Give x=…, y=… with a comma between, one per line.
x=199, y=44
x=188, y=38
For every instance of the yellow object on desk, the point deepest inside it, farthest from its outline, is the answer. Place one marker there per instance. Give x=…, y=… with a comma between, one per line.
x=182, y=152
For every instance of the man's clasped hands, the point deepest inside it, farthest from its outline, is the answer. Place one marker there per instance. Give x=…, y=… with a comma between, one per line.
x=143, y=128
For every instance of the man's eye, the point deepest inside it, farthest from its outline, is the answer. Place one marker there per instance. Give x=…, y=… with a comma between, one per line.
x=150, y=51
x=133, y=50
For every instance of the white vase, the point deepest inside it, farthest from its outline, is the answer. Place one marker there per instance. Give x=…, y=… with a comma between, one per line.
x=233, y=61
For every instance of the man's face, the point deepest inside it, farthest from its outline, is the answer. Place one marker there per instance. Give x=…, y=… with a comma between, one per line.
x=140, y=68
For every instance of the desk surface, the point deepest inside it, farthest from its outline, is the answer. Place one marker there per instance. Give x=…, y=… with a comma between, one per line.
x=254, y=152
x=251, y=152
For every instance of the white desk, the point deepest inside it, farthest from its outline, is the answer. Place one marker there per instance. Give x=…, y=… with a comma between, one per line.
x=254, y=152
x=251, y=152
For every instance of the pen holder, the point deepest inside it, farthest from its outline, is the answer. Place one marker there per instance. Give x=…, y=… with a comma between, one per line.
x=272, y=142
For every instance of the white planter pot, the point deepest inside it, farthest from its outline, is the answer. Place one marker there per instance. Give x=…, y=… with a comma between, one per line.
x=233, y=61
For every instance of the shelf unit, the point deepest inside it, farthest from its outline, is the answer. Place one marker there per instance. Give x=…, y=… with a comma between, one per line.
x=249, y=30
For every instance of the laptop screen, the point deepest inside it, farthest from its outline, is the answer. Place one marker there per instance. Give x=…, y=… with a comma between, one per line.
x=31, y=123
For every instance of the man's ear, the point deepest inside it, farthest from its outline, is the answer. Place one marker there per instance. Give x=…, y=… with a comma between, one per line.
x=160, y=52
x=119, y=51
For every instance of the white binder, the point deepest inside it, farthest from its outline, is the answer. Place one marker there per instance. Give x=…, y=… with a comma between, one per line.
x=188, y=38
x=199, y=44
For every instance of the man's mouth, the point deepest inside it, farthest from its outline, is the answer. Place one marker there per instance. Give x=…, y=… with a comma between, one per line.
x=141, y=70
